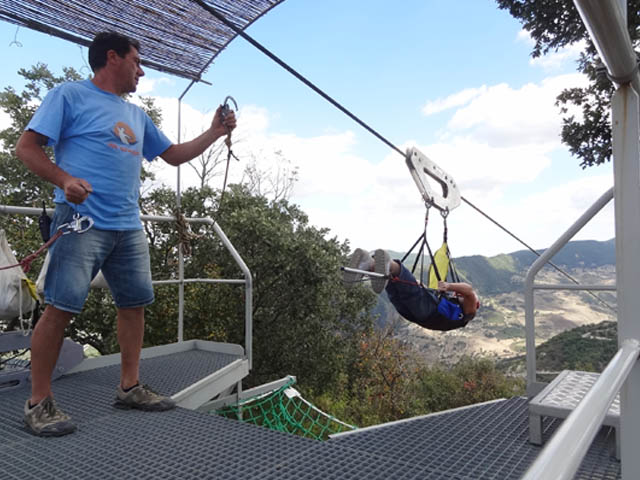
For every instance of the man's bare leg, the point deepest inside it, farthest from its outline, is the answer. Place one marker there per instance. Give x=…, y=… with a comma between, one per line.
x=130, y=336
x=394, y=268
x=46, y=342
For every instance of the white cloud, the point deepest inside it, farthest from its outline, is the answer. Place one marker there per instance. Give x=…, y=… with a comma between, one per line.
x=539, y=218
x=452, y=101
x=556, y=59
x=525, y=37
x=147, y=85
x=5, y=120
x=501, y=139
x=504, y=116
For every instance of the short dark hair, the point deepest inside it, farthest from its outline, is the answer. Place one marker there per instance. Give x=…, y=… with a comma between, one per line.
x=105, y=41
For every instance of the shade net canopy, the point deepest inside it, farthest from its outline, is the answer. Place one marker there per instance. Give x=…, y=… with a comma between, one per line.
x=179, y=37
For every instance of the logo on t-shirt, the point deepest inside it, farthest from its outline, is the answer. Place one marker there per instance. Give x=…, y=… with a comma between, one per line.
x=124, y=133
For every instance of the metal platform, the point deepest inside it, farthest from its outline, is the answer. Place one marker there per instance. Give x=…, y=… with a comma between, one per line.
x=486, y=441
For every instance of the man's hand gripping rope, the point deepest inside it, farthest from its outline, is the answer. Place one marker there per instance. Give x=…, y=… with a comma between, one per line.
x=223, y=113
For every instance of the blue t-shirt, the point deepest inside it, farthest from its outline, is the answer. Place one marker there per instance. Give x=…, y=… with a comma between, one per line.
x=101, y=138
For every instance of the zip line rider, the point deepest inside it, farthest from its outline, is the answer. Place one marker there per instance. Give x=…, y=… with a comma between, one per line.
x=417, y=304
x=99, y=141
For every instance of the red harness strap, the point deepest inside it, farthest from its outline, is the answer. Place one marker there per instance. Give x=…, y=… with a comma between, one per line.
x=25, y=263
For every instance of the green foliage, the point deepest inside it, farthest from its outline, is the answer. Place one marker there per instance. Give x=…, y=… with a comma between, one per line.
x=503, y=262
x=554, y=24
x=389, y=380
x=589, y=348
x=18, y=186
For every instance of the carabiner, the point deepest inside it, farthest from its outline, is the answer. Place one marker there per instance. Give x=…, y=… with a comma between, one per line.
x=79, y=224
x=225, y=106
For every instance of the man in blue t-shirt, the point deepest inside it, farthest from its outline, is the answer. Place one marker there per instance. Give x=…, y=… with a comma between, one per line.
x=99, y=141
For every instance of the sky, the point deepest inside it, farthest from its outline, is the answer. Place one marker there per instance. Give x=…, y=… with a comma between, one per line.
x=459, y=86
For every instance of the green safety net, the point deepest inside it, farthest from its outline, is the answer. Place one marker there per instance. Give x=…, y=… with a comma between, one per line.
x=285, y=410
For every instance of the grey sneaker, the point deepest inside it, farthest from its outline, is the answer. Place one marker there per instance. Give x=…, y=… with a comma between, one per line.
x=361, y=260
x=382, y=265
x=46, y=420
x=142, y=397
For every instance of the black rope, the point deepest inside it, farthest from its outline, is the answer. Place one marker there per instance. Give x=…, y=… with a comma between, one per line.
x=219, y=16
x=412, y=247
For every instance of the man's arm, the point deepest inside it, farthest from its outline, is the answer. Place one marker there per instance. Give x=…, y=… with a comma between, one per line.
x=470, y=303
x=183, y=152
x=30, y=150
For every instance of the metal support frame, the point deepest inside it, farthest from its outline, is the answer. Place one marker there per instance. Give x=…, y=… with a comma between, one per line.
x=533, y=388
x=606, y=23
x=239, y=396
x=626, y=160
x=247, y=281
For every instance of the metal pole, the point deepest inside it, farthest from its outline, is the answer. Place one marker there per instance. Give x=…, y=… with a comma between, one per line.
x=178, y=206
x=626, y=167
x=180, y=252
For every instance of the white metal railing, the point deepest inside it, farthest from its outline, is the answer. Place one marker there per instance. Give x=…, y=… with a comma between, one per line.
x=533, y=387
x=247, y=280
x=563, y=454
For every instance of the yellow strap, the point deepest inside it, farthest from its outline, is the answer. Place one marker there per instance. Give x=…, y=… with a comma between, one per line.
x=441, y=259
x=32, y=288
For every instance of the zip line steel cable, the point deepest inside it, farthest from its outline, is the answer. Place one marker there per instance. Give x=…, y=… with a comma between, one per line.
x=219, y=16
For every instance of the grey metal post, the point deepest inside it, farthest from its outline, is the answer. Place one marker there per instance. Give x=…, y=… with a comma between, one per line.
x=607, y=25
x=626, y=167
x=180, y=252
x=178, y=205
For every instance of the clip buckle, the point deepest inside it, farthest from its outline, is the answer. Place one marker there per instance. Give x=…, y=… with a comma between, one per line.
x=79, y=224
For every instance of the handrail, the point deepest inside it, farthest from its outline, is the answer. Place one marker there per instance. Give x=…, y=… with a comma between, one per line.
x=554, y=286
x=248, y=281
x=563, y=454
x=530, y=277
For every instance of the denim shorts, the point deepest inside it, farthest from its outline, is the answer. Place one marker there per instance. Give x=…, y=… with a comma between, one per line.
x=123, y=257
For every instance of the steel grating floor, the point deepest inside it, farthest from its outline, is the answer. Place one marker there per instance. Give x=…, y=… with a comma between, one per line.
x=487, y=441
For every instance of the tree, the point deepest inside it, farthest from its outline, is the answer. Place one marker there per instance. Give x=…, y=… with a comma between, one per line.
x=18, y=186
x=275, y=182
x=305, y=321
x=554, y=24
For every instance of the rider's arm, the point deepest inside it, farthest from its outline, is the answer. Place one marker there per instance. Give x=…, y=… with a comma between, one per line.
x=470, y=303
